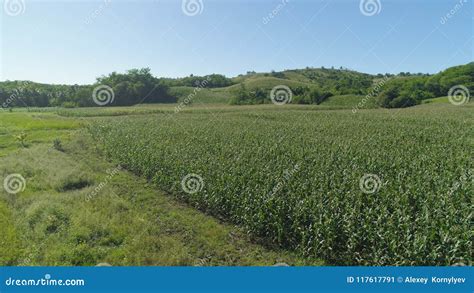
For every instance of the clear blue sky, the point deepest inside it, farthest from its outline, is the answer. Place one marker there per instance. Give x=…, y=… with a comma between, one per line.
x=77, y=41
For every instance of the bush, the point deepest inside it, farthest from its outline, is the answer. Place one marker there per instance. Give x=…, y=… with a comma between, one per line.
x=402, y=102
x=57, y=145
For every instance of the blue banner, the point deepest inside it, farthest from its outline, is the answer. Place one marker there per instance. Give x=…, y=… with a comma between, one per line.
x=237, y=279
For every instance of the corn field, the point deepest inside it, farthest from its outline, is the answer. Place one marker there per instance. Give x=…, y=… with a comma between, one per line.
x=376, y=187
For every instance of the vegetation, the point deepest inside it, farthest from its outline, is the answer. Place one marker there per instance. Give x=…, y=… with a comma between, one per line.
x=351, y=101
x=300, y=95
x=293, y=176
x=135, y=86
x=79, y=209
x=341, y=82
x=19, y=130
x=409, y=91
x=288, y=181
x=308, y=86
x=211, y=81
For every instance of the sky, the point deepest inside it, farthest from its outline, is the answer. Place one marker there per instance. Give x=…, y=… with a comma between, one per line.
x=74, y=42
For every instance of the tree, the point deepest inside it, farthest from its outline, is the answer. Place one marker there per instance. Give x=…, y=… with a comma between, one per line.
x=136, y=86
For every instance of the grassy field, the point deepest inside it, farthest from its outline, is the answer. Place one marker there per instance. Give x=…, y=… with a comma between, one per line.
x=304, y=183
x=38, y=128
x=79, y=209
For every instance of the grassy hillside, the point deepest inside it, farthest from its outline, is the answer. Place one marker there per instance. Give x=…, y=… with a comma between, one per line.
x=308, y=86
x=394, y=91
x=340, y=82
x=202, y=95
x=337, y=79
x=351, y=102
x=267, y=82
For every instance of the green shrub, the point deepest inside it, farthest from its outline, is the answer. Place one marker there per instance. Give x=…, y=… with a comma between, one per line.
x=57, y=145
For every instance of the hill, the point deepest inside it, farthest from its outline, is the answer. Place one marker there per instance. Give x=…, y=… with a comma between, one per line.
x=300, y=81
x=456, y=82
x=332, y=87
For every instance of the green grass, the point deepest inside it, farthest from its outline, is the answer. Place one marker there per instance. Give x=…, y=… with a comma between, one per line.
x=38, y=127
x=10, y=247
x=440, y=100
x=267, y=83
x=420, y=213
x=78, y=209
x=351, y=102
x=203, y=95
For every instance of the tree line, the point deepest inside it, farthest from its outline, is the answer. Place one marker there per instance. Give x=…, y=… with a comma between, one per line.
x=139, y=86
x=125, y=89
